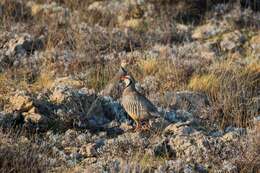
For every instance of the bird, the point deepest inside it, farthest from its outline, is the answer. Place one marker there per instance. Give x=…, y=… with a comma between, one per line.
x=137, y=106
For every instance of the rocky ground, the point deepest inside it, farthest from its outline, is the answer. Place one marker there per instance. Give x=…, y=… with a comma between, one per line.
x=198, y=61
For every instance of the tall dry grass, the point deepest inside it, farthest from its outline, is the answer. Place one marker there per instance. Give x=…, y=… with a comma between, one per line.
x=233, y=89
x=21, y=154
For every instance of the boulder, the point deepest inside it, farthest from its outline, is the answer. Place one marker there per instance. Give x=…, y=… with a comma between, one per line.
x=24, y=44
x=35, y=117
x=103, y=110
x=64, y=81
x=233, y=133
x=21, y=102
x=193, y=102
x=72, y=105
x=180, y=128
x=34, y=112
x=63, y=93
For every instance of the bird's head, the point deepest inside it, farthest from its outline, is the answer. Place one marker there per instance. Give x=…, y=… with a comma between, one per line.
x=127, y=80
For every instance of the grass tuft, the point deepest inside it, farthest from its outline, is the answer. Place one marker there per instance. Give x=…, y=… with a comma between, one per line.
x=233, y=90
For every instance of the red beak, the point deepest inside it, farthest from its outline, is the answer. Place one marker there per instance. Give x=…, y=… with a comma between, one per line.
x=123, y=77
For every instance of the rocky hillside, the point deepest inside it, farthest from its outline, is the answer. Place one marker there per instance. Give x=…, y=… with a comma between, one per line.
x=198, y=61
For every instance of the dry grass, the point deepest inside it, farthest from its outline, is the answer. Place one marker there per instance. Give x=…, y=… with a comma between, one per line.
x=148, y=162
x=172, y=76
x=18, y=79
x=15, y=11
x=3, y=84
x=233, y=89
x=148, y=66
x=4, y=88
x=19, y=154
x=249, y=160
x=43, y=82
x=207, y=82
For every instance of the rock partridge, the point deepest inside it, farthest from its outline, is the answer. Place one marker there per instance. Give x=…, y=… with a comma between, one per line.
x=137, y=106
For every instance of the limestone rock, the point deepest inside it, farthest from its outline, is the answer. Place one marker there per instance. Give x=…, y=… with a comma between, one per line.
x=34, y=116
x=65, y=81
x=21, y=102
x=24, y=44
x=66, y=93
x=103, y=110
x=232, y=133
x=189, y=101
x=180, y=128
x=72, y=104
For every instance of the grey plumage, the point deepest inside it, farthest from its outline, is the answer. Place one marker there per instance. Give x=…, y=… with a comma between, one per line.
x=137, y=105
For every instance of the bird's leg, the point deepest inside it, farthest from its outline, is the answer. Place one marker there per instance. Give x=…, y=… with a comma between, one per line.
x=138, y=126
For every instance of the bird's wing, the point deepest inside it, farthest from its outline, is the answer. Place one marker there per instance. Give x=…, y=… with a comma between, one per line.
x=148, y=106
